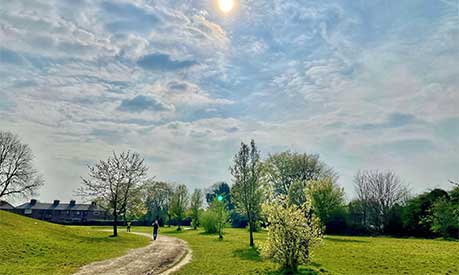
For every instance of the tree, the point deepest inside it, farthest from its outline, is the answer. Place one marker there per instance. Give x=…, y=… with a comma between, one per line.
x=220, y=189
x=196, y=205
x=327, y=199
x=221, y=213
x=379, y=192
x=293, y=231
x=444, y=218
x=157, y=197
x=284, y=169
x=114, y=181
x=179, y=204
x=246, y=191
x=17, y=175
x=417, y=210
x=135, y=207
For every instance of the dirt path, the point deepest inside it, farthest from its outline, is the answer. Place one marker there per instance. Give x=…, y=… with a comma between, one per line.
x=161, y=257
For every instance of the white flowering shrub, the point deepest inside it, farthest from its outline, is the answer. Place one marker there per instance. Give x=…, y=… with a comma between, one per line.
x=293, y=231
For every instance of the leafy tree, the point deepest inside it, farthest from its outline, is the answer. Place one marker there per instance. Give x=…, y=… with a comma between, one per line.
x=114, y=181
x=293, y=231
x=284, y=169
x=157, y=196
x=416, y=211
x=327, y=199
x=220, y=189
x=179, y=204
x=445, y=218
x=222, y=215
x=196, y=205
x=135, y=208
x=17, y=175
x=246, y=191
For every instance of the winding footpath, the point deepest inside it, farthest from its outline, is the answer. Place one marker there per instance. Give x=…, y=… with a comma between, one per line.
x=161, y=257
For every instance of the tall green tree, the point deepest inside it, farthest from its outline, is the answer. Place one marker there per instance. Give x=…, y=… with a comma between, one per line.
x=179, y=204
x=246, y=191
x=327, y=199
x=157, y=196
x=282, y=170
x=195, y=207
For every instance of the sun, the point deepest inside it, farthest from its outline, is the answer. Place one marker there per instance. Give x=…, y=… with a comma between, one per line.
x=226, y=5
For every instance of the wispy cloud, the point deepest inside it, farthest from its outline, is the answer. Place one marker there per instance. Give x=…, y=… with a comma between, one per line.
x=364, y=83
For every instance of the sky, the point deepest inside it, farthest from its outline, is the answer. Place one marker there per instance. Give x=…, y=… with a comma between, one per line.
x=364, y=84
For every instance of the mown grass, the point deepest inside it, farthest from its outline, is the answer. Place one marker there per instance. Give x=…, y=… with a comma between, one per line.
x=338, y=255
x=29, y=246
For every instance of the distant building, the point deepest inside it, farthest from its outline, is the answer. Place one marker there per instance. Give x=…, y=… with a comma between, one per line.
x=63, y=213
x=5, y=206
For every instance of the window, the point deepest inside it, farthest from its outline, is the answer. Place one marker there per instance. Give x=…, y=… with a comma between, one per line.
x=96, y=213
x=27, y=211
x=77, y=213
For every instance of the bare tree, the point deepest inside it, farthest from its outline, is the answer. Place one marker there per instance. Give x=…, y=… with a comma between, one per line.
x=17, y=175
x=114, y=181
x=246, y=191
x=378, y=192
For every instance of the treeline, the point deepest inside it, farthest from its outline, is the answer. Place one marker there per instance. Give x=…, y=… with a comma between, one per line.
x=382, y=204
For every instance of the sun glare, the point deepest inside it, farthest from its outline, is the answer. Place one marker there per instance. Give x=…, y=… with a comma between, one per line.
x=226, y=5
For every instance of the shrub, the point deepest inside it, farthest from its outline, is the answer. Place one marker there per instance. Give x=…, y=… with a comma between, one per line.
x=293, y=231
x=209, y=220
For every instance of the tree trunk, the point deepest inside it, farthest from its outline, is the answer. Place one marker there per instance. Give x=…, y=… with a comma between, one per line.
x=115, y=225
x=115, y=222
x=251, y=233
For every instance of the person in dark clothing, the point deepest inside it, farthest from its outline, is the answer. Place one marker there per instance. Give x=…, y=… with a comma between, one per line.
x=155, y=229
x=128, y=228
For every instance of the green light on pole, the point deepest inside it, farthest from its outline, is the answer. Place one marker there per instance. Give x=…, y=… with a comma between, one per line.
x=220, y=198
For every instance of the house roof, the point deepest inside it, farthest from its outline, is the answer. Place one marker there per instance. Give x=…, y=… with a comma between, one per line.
x=61, y=206
x=5, y=205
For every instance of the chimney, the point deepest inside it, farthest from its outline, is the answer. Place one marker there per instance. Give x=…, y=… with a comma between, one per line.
x=72, y=203
x=33, y=202
x=56, y=203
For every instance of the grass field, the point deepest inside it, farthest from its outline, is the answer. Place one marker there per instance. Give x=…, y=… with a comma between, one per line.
x=338, y=255
x=30, y=246
x=33, y=247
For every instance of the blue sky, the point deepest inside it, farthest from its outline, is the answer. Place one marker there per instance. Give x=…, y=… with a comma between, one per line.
x=365, y=84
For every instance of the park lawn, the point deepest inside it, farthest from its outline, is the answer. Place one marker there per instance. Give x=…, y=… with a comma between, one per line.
x=338, y=255
x=29, y=246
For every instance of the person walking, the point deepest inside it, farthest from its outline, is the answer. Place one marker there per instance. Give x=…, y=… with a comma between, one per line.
x=155, y=229
x=128, y=226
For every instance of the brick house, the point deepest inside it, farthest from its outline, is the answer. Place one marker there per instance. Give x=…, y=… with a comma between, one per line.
x=64, y=213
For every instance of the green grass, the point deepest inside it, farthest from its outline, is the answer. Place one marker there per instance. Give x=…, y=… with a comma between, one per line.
x=338, y=255
x=29, y=246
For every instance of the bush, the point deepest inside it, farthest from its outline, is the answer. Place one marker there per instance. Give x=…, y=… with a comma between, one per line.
x=209, y=220
x=293, y=232
x=445, y=218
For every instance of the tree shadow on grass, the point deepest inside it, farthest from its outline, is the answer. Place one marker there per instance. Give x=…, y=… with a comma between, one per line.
x=339, y=240
x=301, y=271
x=251, y=254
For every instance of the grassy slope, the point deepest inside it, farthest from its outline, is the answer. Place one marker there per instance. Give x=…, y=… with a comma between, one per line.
x=339, y=255
x=29, y=246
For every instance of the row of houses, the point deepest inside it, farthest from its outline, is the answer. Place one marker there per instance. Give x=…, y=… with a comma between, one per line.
x=62, y=213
